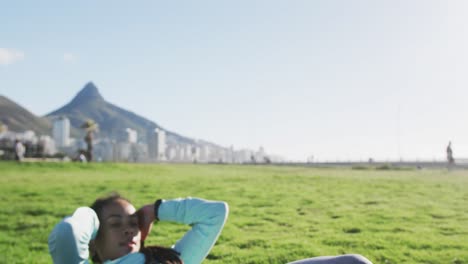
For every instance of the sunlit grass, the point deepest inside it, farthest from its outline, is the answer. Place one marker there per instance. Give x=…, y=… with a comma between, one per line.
x=277, y=214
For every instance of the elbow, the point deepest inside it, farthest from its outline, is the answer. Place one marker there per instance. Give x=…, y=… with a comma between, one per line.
x=214, y=213
x=60, y=236
x=61, y=243
x=222, y=212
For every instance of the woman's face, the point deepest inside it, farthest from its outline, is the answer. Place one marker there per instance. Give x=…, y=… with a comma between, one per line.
x=119, y=233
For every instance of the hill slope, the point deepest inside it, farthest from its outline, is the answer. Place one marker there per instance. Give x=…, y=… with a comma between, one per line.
x=19, y=119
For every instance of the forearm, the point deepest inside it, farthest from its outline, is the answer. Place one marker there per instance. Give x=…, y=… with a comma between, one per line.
x=207, y=219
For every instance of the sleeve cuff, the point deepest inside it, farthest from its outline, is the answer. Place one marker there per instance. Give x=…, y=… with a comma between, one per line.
x=156, y=208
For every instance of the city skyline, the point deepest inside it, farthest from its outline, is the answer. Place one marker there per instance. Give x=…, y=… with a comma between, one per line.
x=339, y=80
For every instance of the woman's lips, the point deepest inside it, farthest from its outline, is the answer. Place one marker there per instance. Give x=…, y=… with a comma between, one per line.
x=129, y=244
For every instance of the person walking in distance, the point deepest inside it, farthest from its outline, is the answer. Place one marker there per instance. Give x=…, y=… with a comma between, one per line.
x=450, y=158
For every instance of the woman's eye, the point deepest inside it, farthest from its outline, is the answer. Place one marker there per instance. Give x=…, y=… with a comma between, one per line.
x=134, y=224
x=117, y=224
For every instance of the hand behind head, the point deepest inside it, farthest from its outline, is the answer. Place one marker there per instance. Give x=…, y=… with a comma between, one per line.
x=145, y=220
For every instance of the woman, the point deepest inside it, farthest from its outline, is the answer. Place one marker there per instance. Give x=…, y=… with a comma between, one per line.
x=113, y=231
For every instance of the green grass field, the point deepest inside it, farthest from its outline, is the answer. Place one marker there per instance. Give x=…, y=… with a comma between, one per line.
x=277, y=214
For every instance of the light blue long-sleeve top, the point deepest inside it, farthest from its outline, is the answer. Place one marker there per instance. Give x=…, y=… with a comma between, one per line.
x=68, y=241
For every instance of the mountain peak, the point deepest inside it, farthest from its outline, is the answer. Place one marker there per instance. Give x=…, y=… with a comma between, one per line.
x=88, y=93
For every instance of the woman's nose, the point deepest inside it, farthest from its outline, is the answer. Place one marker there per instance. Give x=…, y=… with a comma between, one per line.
x=130, y=230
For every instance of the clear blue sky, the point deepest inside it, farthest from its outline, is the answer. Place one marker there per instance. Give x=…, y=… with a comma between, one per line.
x=335, y=79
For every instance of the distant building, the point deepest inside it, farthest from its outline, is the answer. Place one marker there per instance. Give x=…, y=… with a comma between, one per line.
x=48, y=145
x=105, y=150
x=123, y=151
x=160, y=144
x=188, y=153
x=260, y=154
x=179, y=156
x=61, y=131
x=244, y=155
x=132, y=135
x=171, y=153
x=128, y=152
x=204, y=153
x=231, y=155
x=195, y=154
